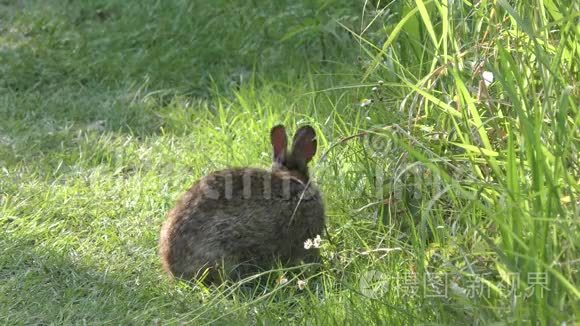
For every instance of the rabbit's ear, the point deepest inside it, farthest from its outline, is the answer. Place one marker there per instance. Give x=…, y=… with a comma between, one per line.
x=279, y=142
x=304, y=144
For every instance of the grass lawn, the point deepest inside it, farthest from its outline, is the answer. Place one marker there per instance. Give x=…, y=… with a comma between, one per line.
x=448, y=156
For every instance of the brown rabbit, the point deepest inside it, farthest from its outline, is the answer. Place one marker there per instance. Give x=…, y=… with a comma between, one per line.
x=243, y=220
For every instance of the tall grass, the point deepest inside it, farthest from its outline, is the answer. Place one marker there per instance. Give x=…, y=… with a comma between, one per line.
x=505, y=153
x=451, y=198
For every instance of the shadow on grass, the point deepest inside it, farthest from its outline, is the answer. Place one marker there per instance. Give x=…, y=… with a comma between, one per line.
x=181, y=45
x=137, y=68
x=41, y=285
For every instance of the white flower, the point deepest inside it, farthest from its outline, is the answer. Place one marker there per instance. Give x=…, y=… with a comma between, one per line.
x=366, y=102
x=282, y=280
x=316, y=242
x=308, y=244
x=301, y=284
x=487, y=77
x=313, y=243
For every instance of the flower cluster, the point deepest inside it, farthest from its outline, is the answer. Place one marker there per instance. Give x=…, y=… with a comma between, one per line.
x=301, y=284
x=313, y=243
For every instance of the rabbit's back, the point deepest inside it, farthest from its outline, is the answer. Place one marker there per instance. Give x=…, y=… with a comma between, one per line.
x=241, y=215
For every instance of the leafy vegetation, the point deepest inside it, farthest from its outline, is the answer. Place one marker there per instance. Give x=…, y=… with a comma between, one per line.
x=448, y=155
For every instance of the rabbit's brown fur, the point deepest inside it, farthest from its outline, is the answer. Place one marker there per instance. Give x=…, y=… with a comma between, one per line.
x=241, y=220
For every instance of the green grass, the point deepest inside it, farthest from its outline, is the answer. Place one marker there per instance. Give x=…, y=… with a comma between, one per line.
x=110, y=109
